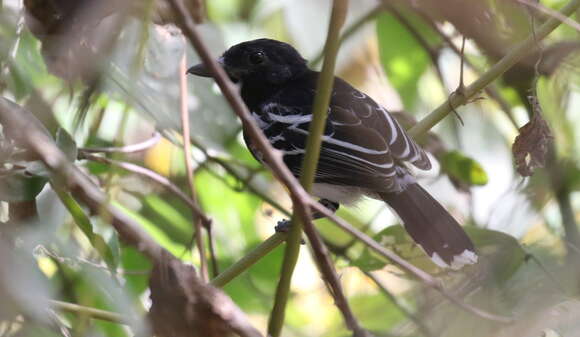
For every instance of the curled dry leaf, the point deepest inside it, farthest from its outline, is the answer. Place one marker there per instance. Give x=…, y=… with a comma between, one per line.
x=531, y=145
x=182, y=305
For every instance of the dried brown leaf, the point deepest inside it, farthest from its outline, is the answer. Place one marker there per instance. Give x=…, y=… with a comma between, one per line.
x=531, y=145
x=182, y=305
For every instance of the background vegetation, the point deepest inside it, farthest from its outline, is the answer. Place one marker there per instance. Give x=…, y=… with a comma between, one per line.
x=106, y=81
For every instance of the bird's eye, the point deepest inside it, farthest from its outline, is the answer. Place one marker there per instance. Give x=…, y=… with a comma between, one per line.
x=257, y=58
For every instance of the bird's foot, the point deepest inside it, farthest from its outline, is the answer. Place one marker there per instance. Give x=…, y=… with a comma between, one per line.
x=330, y=205
x=283, y=226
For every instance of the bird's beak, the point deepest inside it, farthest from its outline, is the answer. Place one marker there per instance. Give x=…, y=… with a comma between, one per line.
x=202, y=70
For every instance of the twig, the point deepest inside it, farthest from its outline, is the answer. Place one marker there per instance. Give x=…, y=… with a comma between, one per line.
x=425, y=278
x=271, y=156
x=161, y=180
x=545, y=270
x=229, y=168
x=491, y=89
x=509, y=60
x=210, y=245
x=34, y=137
x=461, y=86
x=571, y=233
x=142, y=146
x=189, y=167
x=309, y=164
x=90, y=312
x=298, y=194
x=320, y=107
x=274, y=159
x=249, y=259
x=416, y=320
x=550, y=12
x=341, y=252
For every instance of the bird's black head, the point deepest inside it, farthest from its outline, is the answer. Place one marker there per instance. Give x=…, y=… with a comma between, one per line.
x=262, y=62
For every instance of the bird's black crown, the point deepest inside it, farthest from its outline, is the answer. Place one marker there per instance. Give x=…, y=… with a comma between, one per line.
x=268, y=61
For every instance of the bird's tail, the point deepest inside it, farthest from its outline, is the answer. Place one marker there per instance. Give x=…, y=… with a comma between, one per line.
x=432, y=227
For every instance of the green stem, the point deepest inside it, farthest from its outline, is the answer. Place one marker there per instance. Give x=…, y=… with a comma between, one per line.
x=509, y=60
x=319, y=112
x=90, y=312
x=248, y=260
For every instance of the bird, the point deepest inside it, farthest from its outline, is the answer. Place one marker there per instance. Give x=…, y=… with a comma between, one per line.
x=364, y=150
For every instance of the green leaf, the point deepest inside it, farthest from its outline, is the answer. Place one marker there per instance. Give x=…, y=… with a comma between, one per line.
x=18, y=185
x=159, y=235
x=85, y=225
x=260, y=279
x=66, y=144
x=233, y=211
x=175, y=217
x=463, y=168
x=573, y=177
x=402, y=56
x=138, y=267
x=501, y=252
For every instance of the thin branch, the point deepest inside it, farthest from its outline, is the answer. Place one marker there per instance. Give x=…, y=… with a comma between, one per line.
x=567, y=214
x=550, y=12
x=189, y=167
x=33, y=135
x=298, y=194
x=156, y=177
x=491, y=89
x=509, y=60
x=545, y=270
x=210, y=245
x=324, y=88
x=90, y=312
x=424, y=277
x=416, y=320
x=340, y=251
x=271, y=156
x=142, y=146
x=249, y=259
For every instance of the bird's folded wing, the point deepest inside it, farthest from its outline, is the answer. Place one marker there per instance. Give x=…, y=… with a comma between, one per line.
x=352, y=106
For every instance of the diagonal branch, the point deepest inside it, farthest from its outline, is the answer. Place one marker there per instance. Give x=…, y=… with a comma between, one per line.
x=33, y=136
x=422, y=276
x=299, y=196
x=189, y=167
x=142, y=146
x=319, y=113
x=510, y=59
x=154, y=176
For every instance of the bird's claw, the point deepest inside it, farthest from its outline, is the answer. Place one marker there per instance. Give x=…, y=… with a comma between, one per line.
x=283, y=226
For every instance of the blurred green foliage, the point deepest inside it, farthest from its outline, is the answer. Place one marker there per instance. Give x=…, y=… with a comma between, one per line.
x=79, y=258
